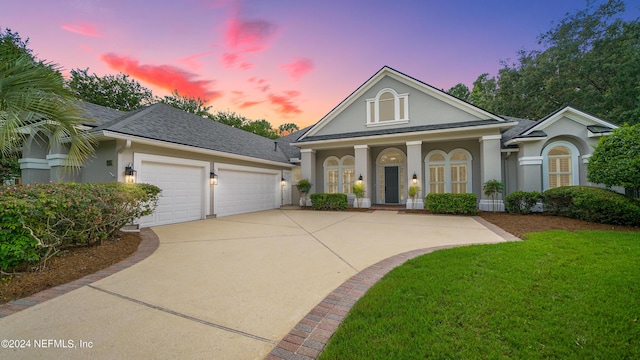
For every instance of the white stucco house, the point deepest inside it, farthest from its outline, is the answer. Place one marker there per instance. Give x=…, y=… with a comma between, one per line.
x=392, y=132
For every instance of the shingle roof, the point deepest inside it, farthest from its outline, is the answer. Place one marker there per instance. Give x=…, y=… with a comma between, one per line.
x=166, y=123
x=284, y=143
x=402, y=130
x=100, y=114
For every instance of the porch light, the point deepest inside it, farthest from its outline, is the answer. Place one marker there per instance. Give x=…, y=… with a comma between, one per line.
x=283, y=182
x=360, y=179
x=213, y=178
x=415, y=179
x=129, y=174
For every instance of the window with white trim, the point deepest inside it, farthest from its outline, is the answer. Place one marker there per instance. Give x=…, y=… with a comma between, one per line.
x=448, y=173
x=387, y=108
x=560, y=165
x=339, y=174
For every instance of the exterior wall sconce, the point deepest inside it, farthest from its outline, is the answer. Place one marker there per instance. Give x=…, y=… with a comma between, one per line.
x=360, y=179
x=129, y=174
x=213, y=178
x=283, y=182
x=414, y=179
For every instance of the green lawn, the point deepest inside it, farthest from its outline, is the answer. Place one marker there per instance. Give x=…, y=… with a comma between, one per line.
x=557, y=295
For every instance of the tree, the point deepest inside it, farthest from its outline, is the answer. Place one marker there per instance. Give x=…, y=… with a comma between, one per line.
x=33, y=101
x=185, y=103
x=590, y=61
x=260, y=127
x=287, y=128
x=484, y=92
x=461, y=91
x=229, y=118
x=114, y=91
x=616, y=159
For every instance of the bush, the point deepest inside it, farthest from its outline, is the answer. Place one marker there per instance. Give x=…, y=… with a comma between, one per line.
x=592, y=204
x=458, y=204
x=58, y=216
x=521, y=202
x=323, y=201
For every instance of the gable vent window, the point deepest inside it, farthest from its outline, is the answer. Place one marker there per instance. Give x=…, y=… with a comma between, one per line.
x=388, y=108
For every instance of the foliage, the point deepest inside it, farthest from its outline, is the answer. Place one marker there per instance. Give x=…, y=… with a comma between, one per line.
x=358, y=190
x=558, y=295
x=461, y=91
x=414, y=191
x=592, y=204
x=31, y=92
x=590, y=61
x=522, y=202
x=258, y=127
x=458, y=204
x=304, y=186
x=616, y=159
x=287, y=128
x=58, y=216
x=324, y=201
x=492, y=188
x=9, y=168
x=118, y=92
x=187, y=104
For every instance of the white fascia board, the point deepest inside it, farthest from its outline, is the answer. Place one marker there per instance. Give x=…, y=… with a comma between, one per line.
x=573, y=114
x=405, y=134
x=167, y=145
x=516, y=141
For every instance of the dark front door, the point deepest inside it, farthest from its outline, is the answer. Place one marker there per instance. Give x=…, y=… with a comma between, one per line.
x=391, y=185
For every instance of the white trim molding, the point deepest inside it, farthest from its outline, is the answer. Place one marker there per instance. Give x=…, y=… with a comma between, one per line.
x=530, y=160
x=585, y=158
x=490, y=137
x=34, y=163
x=57, y=159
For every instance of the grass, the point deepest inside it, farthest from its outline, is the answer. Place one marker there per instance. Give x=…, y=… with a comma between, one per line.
x=557, y=295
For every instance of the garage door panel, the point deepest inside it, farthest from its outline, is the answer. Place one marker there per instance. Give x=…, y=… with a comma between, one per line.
x=240, y=192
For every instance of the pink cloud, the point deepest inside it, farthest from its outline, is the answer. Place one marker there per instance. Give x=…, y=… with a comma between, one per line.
x=262, y=84
x=82, y=29
x=298, y=68
x=192, y=61
x=243, y=37
x=165, y=76
x=248, y=104
x=284, y=103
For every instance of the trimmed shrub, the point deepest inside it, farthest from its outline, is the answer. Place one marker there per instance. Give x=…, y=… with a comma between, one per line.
x=592, y=204
x=38, y=220
x=458, y=204
x=521, y=202
x=324, y=201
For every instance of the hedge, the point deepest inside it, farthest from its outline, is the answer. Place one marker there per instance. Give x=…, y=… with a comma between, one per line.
x=592, y=204
x=458, y=204
x=38, y=220
x=521, y=202
x=323, y=201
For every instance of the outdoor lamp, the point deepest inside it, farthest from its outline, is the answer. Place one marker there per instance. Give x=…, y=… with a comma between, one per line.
x=415, y=179
x=360, y=179
x=213, y=178
x=283, y=182
x=129, y=174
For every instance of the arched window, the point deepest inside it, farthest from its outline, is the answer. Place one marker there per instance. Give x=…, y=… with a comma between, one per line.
x=448, y=173
x=560, y=165
x=339, y=174
x=388, y=107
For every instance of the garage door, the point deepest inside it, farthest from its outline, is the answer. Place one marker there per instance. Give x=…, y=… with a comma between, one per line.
x=246, y=190
x=183, y=194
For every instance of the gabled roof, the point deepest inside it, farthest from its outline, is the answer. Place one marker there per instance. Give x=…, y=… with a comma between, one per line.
x=284, y=143
x=535, y=130
x=167, y=124
x=410, y=81
x=100, y=114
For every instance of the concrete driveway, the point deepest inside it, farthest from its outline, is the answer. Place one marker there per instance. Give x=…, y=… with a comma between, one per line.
x=228, y=288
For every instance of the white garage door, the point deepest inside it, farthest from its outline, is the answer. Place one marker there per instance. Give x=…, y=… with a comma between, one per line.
x=247, y=190
x=183, y=196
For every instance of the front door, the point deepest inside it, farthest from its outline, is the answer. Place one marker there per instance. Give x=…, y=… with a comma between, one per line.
x=391, y=193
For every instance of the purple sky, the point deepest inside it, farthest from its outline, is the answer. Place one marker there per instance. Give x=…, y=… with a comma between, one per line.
x=282, y=60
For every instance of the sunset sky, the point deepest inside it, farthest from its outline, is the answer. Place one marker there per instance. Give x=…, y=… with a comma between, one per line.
x=282, y=60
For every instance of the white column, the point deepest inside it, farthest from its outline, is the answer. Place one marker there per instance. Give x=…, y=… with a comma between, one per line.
x=308, y=169
x=414, y=166
x=362, y=168
x=490, y=169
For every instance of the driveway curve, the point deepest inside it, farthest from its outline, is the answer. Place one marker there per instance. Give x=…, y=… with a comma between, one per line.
x=228, y=288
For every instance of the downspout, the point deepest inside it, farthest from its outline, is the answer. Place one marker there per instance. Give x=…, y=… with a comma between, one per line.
x=119, y=151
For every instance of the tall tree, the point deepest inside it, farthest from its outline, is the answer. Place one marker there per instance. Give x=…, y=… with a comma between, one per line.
x=287, y=128
x=484, y=92
x=461, y=91
x=260, y=127
x=195, y=106
x=230, y=118
x=114, y=91
x=33, y=101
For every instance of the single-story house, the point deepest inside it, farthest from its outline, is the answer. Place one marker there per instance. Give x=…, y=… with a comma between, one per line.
x=391, y=133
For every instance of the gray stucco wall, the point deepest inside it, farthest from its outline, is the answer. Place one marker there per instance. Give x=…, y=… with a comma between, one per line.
x=97, y=169
x=423, y=110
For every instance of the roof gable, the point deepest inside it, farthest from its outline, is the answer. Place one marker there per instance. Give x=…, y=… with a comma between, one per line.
x=381, y=79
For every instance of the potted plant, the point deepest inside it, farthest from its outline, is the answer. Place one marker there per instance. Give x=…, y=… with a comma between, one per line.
x=492, y=188
x=414, y=191
x=303, y=186
x=358, y=191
